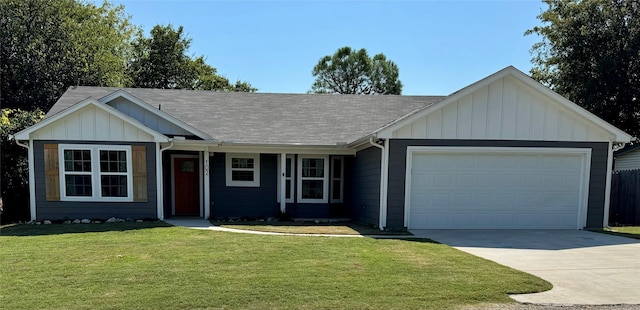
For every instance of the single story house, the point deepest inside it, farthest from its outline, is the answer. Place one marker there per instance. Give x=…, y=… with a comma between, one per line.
x=505, y=152
x=627, y=158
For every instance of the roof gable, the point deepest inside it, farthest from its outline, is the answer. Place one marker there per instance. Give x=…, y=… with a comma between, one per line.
x=90, y=120
x=150, y=116
x=507, y=105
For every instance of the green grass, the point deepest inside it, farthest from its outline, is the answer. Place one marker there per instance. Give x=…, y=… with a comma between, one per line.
x=625, y=231
x=346, y=228
x=151, y=266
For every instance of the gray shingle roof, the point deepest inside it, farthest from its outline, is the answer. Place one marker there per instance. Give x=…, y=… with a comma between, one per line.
x=308, y=119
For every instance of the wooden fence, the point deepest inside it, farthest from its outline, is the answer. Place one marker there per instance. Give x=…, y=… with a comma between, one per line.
x=625, y=198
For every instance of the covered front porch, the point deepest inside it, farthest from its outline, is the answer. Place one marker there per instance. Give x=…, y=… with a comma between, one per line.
x=234, y=182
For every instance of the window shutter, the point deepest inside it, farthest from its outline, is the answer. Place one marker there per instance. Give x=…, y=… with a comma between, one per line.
x=51, y=173
x=139, y=158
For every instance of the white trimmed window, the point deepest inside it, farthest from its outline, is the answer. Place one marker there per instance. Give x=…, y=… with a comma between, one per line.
x=243, y=170
x=337, y=185
x=95, y=172
x=313, y=179
x=288, y=175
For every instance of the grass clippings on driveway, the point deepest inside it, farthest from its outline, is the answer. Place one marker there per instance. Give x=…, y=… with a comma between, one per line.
x=151, y=266
x=341, y=228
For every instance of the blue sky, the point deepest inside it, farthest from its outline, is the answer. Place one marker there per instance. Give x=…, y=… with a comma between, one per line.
x=439, y=46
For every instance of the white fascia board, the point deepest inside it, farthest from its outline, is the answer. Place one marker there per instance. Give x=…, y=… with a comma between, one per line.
x=226, y=147
x=133, y=99
x=618, y=135
x=25, y=134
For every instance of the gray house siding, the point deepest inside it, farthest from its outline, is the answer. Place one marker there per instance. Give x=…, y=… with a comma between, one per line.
x=397, y=168
x=364, y=185
x=59, y=210
x=244, y=201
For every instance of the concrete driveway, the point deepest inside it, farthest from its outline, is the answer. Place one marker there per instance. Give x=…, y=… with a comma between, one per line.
x=584, y=267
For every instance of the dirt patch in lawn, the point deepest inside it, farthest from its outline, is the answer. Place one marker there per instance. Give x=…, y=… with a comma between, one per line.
x=340, y=228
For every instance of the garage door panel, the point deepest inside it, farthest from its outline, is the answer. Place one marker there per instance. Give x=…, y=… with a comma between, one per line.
x=495, y=190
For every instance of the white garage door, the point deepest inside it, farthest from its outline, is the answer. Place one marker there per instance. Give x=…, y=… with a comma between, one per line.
x=515, y=188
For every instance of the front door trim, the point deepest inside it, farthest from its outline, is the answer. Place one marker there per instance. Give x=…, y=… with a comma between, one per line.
x=173, y=184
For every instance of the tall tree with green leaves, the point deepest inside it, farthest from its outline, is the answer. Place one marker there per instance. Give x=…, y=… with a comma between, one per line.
x=590, y=53
x=162, y=61
x=349, y=71
x=47, y=46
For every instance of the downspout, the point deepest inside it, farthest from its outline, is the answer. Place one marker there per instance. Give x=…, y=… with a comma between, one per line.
x=159, y=177
x=382, y=221
x=32, y=182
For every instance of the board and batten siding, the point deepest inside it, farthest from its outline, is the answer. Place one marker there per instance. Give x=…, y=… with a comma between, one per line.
x=148, y=118
x=505, y=109
x=91, y=124
x=364, y=184
x=234, y=201
x=143, y=206
x=397, y=169
x=628, y=161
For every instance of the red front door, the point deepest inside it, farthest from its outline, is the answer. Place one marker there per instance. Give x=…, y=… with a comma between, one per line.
x=185, y=174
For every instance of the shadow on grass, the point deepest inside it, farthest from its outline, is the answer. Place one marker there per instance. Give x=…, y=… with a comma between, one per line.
x=360, y=229
x=58, y=229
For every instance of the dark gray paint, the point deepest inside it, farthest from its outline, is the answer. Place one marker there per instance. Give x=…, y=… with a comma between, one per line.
x=397, y=168
x=244, y=201
x=59, y=210
x=364, y=185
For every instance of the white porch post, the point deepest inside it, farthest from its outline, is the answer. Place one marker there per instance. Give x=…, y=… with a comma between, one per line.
x=207, y=188
x=159, y=187
x=283, y=182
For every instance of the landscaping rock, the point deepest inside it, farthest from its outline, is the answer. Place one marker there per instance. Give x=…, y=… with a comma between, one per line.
x=85, y=221
x=97, y=222
x=111, y=220
x=129, y=219
x=76, y=221
x=139, y=221
x=46, y=222
x=38, y=223
x=67, y=222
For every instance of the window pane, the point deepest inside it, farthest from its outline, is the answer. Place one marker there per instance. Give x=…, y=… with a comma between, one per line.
x=242, y=163
x=114, y=185
x=337, y=168
x=312, y=167
x=78, y=185
x=312, y=189
x=238, y=175
x=77, y=160
x=187, y=166
x=336, y=189
x=288, y=189
x=113, y=161
x=288, y=170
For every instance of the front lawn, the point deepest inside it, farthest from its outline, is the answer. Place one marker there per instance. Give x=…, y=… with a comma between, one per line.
x=625, y=231
x=341, y=228
x=152, y=266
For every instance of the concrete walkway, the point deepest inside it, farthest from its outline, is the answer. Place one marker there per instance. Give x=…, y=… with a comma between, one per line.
x=584, y=267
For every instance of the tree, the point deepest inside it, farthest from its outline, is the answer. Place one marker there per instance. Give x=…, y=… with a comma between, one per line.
x=354, y=72
x=590, y=53
x=14, y=173
x=47, y=46
x=161, y=61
